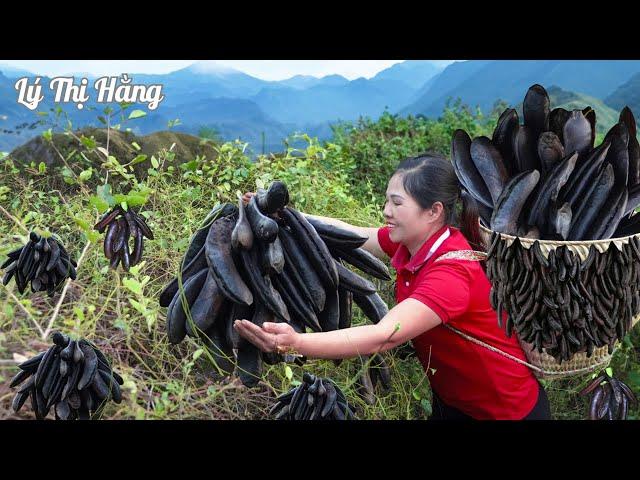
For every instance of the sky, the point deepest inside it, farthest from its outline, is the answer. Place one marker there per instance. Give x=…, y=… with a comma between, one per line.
x=264, y=69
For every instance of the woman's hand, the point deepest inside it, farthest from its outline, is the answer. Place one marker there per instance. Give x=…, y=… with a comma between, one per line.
x=247, y=196
x=271, y=337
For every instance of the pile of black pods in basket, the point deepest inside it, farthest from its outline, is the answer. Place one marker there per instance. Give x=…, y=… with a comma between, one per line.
x=562, y=303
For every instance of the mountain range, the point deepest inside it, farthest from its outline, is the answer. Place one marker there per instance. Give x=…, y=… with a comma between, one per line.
x=481, y=82
x=237, y=105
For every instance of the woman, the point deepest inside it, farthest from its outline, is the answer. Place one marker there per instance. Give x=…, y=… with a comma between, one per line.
x=469, y=381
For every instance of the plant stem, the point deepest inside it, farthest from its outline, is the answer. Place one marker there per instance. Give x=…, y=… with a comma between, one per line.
x=15, y=220
x=22, y=307
x=45, y=334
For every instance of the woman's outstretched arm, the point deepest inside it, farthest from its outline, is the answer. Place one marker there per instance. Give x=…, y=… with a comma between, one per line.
x=405, y=321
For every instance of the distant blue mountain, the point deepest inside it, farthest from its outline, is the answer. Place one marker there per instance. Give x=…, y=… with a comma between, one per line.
x=231, y=118
x=627, y=94
x=302, y=82
x=482, y=82
x=443, y=83
x=13, y=72
x=197, y=82
x=412, y=72
x=360, y=97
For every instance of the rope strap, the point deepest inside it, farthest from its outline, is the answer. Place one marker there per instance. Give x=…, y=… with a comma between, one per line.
x=471, y=255
x=515, y=359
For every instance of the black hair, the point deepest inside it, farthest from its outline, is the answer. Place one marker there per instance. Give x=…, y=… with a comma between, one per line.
x=430, y=178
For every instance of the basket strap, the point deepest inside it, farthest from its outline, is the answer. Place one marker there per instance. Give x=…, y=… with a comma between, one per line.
x=515, y=359
x=470, y=255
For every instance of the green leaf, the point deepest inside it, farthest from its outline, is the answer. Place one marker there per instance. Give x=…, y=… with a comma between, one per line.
x=197, y=354
x=136, y=200
x=139, y=159
x=93, y=237
x=136, y=146
x=154, y=161
x=138, y=306
x=79, y=313
x=133, y=285
x=191, y=166
x=104, y=192
x=136, y=269
x=288, y=372
x=85, y=175
x=83, y=224
x=102, y=119
x=137, y=114
x=47, y=135
x=151, y=320
x=99, y=203
x=42, y=168
x=119, y=198
x=416, y=395
x=124, y=206
x=609, y=371
x=90, y=143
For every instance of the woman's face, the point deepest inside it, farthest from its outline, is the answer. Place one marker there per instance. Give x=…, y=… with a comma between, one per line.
x=409, y=224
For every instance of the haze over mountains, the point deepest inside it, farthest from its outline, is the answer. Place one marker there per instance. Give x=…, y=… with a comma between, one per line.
x=262, y=112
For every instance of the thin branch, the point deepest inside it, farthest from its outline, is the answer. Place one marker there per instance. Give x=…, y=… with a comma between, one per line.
x=22, y=307
x=45, y=334
x=61, y=197
x=64, y=160
x=14, y=219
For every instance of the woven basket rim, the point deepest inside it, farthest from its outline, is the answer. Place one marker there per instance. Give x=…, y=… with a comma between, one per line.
x=559, y=242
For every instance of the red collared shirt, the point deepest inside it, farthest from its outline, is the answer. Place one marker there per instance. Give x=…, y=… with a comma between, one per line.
x=475, y=380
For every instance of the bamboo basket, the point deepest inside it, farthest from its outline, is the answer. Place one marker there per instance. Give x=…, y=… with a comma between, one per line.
x=545, y=365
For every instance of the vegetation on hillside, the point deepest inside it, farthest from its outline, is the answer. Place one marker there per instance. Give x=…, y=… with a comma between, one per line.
x=343, y=178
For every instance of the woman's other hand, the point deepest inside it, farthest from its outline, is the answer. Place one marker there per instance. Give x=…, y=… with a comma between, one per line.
x=271, y=337
x=247, y=196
